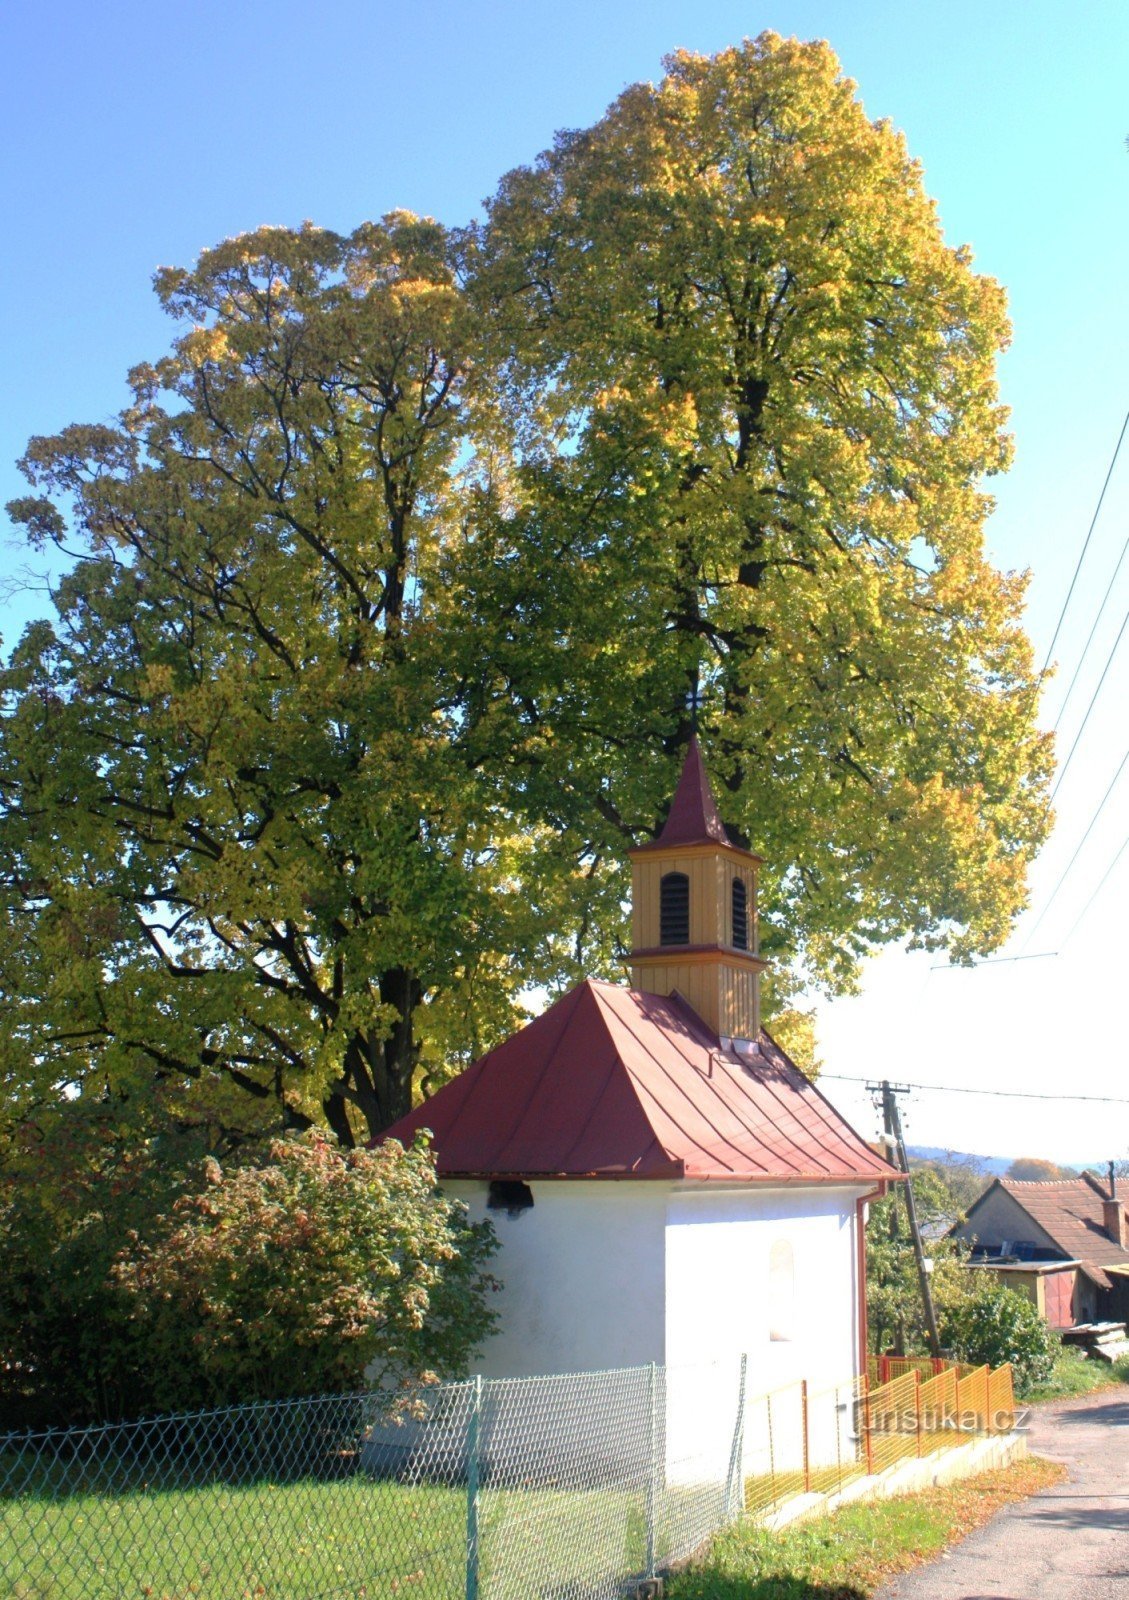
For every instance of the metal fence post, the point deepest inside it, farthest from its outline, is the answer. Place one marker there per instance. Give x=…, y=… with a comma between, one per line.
x=653, y=1473
x=473, y=1451
x=804, y=1420
x=917, y=1409
x=734, y=1489
x=868, y=1440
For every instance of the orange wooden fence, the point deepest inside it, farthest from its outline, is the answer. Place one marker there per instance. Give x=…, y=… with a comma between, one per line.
x=802, y=1439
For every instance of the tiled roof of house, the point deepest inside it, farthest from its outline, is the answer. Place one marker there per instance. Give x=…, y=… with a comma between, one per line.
x=615, y=1083
x=1069, y=1211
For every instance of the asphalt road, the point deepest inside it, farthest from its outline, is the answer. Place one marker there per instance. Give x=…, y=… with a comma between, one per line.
x=1071, y=1542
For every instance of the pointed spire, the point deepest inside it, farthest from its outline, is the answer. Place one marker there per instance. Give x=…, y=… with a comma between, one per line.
x=693, y=817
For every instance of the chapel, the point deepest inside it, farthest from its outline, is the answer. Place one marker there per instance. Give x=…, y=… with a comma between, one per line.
x=667, y=1186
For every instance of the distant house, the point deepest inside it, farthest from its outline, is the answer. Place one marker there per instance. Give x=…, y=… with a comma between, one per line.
x=1064, y=1244
x=666, y=1185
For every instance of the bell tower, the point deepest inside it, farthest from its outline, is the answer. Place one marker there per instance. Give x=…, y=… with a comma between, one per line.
x=694, y=911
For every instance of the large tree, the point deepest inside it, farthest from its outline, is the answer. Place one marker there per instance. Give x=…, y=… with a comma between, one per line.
x=396, y=584
x=247, y=828
x=765, y=404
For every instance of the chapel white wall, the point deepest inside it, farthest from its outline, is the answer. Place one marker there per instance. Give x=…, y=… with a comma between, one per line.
x=719, y=1246
x=583, y=1277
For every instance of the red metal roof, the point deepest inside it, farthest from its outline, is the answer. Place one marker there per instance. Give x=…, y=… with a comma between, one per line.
x=693, y=817
x=614, y=1083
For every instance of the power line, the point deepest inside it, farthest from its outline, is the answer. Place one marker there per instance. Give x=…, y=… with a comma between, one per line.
x=1090, y=636
x=1085, y=547
x=1101, y=885
x=1078, y=849
x=998, y=1094
x=993, y=961
x=1062, y=771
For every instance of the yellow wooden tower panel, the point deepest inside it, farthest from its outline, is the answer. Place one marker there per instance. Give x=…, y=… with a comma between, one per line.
x=701, y=952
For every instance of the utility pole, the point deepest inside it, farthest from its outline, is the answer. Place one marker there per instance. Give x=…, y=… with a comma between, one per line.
x=892, y=1122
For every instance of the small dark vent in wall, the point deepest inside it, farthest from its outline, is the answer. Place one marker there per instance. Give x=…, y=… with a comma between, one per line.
x=674, y=909
x=509, y=1195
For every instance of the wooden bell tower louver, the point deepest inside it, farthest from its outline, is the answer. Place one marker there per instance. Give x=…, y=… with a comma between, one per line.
x=694, y=912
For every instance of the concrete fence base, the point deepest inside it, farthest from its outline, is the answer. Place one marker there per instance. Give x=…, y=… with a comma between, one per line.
x=908, y=1477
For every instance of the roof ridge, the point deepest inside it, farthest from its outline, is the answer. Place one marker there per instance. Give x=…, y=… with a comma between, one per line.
x=637, y=1088
x=597, y=988
x=1048, y=1183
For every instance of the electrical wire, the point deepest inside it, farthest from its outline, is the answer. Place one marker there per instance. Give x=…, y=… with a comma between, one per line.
x=1078, y=849
x=1090, y=636
x=1062, y=771
x=998, y=1094
x=1101, y=885
x=993, y=961
x=1085, y=547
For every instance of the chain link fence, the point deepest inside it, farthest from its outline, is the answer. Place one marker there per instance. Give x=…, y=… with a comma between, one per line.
x=573, y=1487
x=554, y=1488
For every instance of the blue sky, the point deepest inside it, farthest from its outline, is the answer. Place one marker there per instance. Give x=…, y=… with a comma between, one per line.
x=134, y=135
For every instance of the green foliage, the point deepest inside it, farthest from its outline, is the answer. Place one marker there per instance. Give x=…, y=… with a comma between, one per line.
x=396, y=573
x=995, y=1325
x=962, y=1178
x=71, y=1190
x=313, y=1273
x=895, y=1317
x=275, y=1273
x=263, y=828
x=1074, y=1373
x=769, y=406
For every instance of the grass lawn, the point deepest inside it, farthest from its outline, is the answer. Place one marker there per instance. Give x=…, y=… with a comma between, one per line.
x=850, y=1554
x=1076, y=1374
x=356, y=1538
x=236, y=1542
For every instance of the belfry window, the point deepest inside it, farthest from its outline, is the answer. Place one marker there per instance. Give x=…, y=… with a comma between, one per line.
x=674, y=909
x=740, y=915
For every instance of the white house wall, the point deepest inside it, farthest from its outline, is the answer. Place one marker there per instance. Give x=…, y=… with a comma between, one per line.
x=600, y=1275
x=606, y=1274
x=583, y=1277
x=719, y=1254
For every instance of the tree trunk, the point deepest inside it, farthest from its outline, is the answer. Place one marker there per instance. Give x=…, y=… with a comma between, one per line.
x=377, y=1074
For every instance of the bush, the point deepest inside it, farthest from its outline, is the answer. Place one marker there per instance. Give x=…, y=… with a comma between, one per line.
x=310, y=1274
x=995, y=1325
x=71, y=1192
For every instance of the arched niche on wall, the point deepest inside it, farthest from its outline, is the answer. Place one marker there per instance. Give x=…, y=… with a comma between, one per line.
x=781, y=1291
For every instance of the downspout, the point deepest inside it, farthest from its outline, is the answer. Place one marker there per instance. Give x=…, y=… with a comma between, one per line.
x=860, y=1274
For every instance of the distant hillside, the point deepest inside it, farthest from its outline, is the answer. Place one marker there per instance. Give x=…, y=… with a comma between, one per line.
x=995, y=1166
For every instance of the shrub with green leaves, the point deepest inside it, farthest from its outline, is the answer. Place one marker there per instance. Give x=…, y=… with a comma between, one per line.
x=73, y=1188
x=997, y=1326
x=313, y=1272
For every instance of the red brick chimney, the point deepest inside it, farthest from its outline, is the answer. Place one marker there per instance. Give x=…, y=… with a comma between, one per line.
x=1113, y=1220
